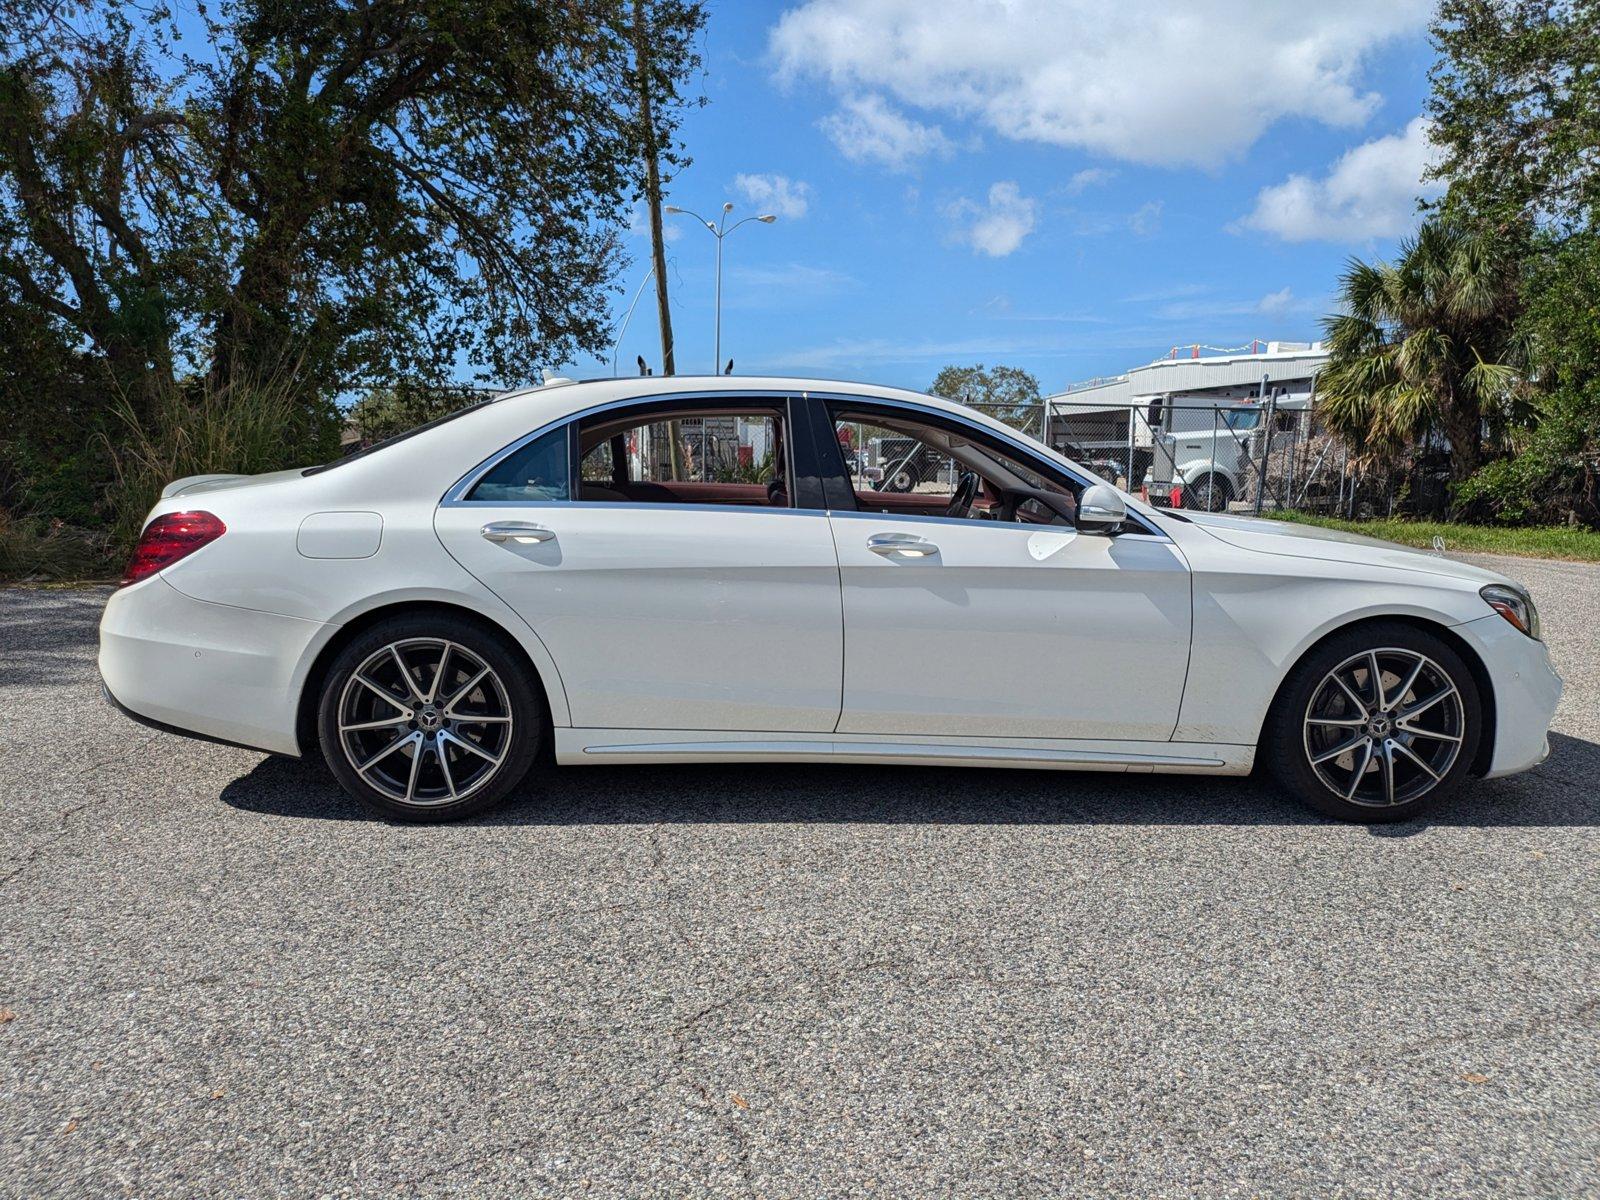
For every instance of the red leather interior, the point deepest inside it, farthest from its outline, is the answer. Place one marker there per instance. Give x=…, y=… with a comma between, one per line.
x=683, y=493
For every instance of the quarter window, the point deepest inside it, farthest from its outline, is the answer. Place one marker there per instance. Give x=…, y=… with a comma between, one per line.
x=536, y=471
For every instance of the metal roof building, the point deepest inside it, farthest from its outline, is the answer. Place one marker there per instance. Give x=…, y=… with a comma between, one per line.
x=1290, y=367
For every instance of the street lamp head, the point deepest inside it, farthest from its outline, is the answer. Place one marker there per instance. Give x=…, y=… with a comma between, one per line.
x=711, y=225
x=767, y=218
x=673, y=208
x=727, y=206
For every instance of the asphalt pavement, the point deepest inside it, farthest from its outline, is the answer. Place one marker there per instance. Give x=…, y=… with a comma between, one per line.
x=219, y=977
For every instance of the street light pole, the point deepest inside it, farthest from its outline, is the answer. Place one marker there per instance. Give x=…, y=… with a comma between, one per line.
x=719, y=230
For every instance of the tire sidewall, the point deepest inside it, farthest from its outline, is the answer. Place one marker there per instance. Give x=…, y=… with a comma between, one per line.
x=530, y=716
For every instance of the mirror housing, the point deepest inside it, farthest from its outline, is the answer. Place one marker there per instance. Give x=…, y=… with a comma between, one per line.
x=1101, y=510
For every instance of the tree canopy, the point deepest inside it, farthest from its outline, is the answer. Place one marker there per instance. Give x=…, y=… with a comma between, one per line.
x=1007, y=393
x=376, y=190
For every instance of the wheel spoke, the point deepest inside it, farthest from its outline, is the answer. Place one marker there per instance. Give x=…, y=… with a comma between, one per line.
x=468, y=745
x=1341, y=722
x=444, y=766
x=1376, y=673
x=1386, y=766
x=416, y=766
x=1352, y=744
x=382, y=692
x=1361, y=705
x=1356, y=777
x=386, y=723
x=1411, y=681
x=1425, y=705
x=388, y=750
x=1427, y=733
x=468, y=719
x=464, y=691
x=1416, y=758
x=438, y=674
x=405, y=674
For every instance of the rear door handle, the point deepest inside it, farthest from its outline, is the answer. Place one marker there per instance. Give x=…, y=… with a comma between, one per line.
x=521, y=532
x=902, y=545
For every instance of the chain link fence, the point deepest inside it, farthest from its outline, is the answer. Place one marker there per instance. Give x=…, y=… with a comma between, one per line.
x=1271, y=453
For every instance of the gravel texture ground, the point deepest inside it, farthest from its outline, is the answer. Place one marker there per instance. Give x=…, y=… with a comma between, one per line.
x=218, y=977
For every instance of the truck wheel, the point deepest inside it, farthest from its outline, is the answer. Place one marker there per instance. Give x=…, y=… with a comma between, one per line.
x=1208, y=493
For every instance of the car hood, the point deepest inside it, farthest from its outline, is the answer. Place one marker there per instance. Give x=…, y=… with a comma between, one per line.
x=1334, y=545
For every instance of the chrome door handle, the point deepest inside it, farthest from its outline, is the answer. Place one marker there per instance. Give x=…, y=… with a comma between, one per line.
x=905, y=545
x=521, y=532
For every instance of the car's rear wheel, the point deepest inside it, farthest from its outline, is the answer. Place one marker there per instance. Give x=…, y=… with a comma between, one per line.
x=429, y=718
x=1376, y=724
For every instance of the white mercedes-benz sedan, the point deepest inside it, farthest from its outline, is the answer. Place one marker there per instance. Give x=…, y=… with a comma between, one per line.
x=734, y=569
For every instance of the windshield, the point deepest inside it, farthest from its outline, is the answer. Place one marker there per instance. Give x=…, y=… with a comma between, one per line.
x=1241, y=419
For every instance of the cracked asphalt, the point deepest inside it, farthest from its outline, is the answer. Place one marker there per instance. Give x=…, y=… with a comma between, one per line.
x=218, y=977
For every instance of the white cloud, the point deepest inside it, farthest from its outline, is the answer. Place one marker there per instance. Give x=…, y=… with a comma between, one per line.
x=1138, y=80
x=1200, y=304
x=1146, y=219
x=788, y=198
x=998, y=227
x=1370, y=192
x=1088, y=178
x=1276, y=304
x=866, y=130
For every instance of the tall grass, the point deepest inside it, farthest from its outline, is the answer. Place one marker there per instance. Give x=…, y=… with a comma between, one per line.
x=197, y=427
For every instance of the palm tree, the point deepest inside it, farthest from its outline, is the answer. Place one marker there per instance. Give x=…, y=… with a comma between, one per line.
x=1425, y=344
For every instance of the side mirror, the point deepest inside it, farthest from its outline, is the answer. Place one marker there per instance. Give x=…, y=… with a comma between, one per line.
x=1101, y=510
x=872, y=474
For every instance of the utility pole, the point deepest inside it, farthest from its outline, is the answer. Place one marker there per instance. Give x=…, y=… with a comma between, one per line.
x=652, y=180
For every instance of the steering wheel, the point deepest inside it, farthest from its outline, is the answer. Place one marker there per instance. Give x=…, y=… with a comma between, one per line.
x=966, y=492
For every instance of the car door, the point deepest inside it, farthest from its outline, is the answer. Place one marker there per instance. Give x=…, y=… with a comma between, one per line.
x=992, y=628
x=673, y=585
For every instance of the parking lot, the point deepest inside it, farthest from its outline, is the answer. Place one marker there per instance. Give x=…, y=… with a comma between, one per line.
x=219, y=977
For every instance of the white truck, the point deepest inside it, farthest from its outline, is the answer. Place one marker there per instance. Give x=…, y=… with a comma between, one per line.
x=1187, y=451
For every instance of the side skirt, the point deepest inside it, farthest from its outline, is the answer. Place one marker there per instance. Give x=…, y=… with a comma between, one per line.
x=604, y=747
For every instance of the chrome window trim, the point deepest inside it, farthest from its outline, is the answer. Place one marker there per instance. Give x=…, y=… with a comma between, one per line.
x=454, y=497
x=979, y=522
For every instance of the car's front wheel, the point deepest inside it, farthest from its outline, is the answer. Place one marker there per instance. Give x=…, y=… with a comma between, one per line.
x=1375, y=724
x=429, y=717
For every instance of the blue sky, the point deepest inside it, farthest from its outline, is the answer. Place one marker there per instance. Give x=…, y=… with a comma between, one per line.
x=1070, y=186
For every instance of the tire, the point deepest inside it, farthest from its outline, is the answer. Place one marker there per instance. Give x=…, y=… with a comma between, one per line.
x=1209, y=493
x=1422, y=740
x=905, y=480
x=468, y=711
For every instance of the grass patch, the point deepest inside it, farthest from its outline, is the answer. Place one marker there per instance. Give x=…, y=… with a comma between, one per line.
x=1547, y=541
x=34, y=550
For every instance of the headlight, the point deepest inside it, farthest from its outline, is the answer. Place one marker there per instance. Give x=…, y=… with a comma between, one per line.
x=1515, y=605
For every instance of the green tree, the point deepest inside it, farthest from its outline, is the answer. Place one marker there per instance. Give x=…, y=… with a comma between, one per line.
x=365, y=190
x=1428, y=343
x=1009, y=394
x=1516, y=109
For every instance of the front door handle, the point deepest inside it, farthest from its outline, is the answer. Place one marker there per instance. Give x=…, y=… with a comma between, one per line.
x=901, y=545
x=521, y=532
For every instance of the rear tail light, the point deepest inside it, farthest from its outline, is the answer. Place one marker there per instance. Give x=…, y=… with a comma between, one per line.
x=1175, y=497
x=170, y=537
